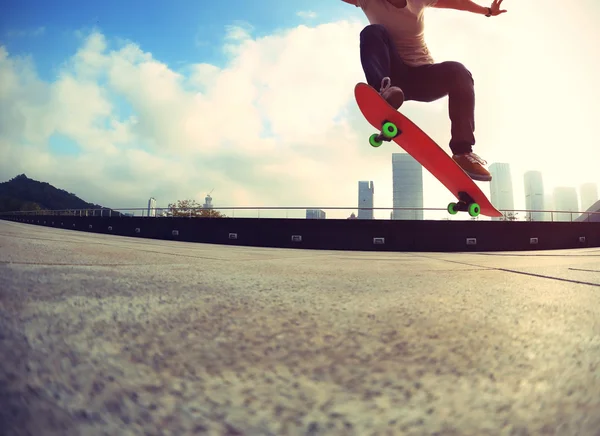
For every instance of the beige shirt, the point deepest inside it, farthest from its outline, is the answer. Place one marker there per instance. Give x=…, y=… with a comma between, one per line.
x=405, y=26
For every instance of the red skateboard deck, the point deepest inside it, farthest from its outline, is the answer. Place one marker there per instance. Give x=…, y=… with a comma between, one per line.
x=419, y=145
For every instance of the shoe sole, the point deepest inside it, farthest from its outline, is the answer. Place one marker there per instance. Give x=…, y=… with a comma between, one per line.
x=480, y=178
x=396, y=102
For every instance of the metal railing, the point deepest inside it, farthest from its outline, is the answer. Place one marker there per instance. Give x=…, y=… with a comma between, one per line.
x=406, y=213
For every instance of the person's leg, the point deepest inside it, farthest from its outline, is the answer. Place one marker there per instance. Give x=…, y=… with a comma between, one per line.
x=380, y=60
x=431, y=82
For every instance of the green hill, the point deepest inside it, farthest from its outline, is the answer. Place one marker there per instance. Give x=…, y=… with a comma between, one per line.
x=24, y=194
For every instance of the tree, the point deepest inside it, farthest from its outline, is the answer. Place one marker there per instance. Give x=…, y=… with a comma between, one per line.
x=510, y=216
x=191, y=208
x=30, y=207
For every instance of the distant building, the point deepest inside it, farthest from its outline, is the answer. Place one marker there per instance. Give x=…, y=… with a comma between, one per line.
x=588, y=194
x=151, y=207
x=315, y=214
x=501, y=189
x=407, y=181
x=565, y=199
x=534, y=195
x=207, y=202
x=549, y=206
x=366, y=191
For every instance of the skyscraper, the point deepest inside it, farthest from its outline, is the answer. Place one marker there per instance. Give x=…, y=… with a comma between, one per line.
x=151, y=207
x=534, y=195
x=366, y=190
x=407, y=180
x=207, y=202
x=549, y=206
x=565, y=199
x=588, y=193
x=501, y=189
x=315, y=214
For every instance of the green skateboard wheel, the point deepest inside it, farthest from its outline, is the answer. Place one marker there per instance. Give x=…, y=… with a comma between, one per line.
x=452, y=209
x=374, y=141
x=389, y=130
x=474, y=209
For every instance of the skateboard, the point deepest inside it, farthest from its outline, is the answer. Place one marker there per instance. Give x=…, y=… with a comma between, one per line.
x=398, y=128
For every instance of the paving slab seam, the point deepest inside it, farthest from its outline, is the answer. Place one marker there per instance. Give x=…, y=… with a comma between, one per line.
x=579, y=282
x=585, y=270
x=535, y=254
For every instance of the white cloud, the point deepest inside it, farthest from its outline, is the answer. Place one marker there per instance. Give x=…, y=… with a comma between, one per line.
x=278, y=125
x=204, y=129
x=307, y=14
x=235, y=36
x=203, y=76
x=238, y=32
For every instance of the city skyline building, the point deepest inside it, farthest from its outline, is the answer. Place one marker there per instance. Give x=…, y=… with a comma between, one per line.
x=501, y=188
x=548, y=205
x=315, y=214
x=565, y=200
x=151, y=207
x=207, y=202
x=407, y=186
x=534, y=196
x=588, y=195
x=366, y=192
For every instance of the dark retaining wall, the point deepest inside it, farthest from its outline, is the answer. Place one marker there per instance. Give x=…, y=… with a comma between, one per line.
x=343, y=234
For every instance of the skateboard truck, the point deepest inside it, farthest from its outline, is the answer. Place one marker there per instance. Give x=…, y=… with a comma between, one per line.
x=388, y=132
x=465, y=204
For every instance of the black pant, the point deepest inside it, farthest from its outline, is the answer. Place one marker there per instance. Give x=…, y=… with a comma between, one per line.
x=424, y=83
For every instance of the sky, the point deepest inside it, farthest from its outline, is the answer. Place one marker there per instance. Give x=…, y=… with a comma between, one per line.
x=253, y=101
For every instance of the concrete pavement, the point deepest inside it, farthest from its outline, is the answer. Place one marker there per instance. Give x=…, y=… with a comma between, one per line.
x=109, y=335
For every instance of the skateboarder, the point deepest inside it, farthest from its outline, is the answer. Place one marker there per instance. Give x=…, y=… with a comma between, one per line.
x=396, y=61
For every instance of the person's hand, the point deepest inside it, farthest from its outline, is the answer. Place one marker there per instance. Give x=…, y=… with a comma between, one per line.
x=495, y=8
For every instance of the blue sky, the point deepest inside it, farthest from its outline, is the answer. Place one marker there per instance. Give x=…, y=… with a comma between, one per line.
x=177, y=32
